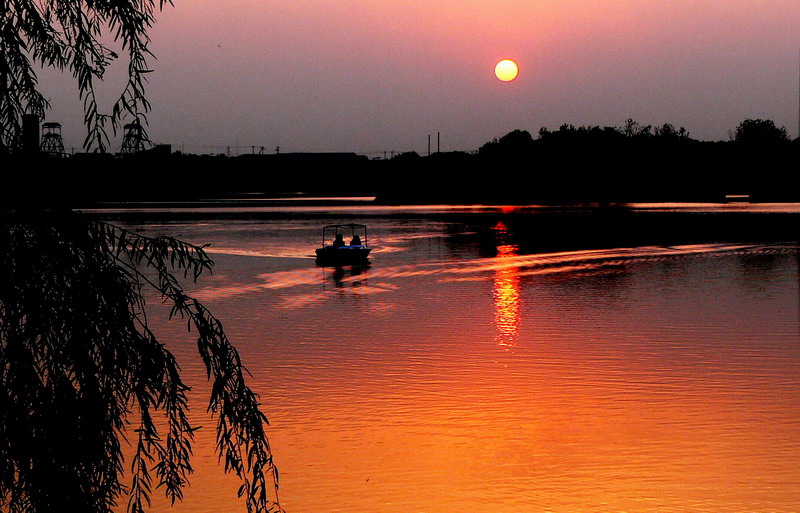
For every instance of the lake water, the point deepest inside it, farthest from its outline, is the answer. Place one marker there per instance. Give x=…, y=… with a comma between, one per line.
x=508, y=360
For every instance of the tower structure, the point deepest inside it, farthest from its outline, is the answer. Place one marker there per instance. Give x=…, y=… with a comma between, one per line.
x=133, y=138
x=52, y=143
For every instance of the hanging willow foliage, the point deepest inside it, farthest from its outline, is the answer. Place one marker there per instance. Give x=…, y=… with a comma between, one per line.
x=66, y=35
x=78, y=363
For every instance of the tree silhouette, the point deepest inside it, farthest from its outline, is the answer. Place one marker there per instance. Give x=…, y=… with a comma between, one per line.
x=759, y=131
x=514, y=142
x=79, y=362
x=635, y=129
x=668, y=131
x=67, y=35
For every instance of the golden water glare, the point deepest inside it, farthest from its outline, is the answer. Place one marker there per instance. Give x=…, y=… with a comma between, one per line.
x=415, y=385
x=506, y=292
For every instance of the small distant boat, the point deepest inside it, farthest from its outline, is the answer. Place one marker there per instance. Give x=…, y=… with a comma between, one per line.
x=335, y=251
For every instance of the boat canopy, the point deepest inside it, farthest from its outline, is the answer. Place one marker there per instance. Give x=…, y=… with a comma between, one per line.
x=351, y=229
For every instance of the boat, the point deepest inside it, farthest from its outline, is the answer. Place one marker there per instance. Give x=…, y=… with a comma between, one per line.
x=336, y=251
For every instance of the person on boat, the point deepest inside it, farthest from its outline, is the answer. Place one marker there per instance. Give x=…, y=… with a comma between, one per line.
x=356, y=240
x=338, y=242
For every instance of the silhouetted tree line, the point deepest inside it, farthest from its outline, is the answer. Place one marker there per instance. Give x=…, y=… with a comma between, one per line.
x=571, y=164
x=593, y=164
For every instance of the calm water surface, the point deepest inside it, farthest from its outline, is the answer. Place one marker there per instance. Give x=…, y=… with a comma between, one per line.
x=467, y=370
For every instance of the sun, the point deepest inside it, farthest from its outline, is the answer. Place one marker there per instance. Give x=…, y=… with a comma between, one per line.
x=506, y=70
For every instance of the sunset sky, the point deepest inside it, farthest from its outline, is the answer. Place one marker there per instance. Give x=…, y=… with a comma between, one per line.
x=377, y=75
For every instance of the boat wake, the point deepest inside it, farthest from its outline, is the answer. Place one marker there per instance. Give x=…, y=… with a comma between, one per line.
x=563, y=262
x=378, y=279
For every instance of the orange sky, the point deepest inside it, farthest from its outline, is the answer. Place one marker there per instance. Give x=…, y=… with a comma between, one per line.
x=380, y=75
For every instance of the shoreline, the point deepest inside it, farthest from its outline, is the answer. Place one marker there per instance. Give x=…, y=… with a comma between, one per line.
x=532, y=229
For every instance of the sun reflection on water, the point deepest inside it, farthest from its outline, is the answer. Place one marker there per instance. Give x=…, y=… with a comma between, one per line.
x=506, y=291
